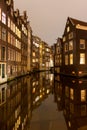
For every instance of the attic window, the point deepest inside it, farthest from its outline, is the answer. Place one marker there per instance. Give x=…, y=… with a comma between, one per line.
x=68, y=29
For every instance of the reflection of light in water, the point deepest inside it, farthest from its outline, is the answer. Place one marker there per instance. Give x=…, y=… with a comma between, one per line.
x=69, y=123
x=80, y=82
x=37, y=98
x=59, y=98
x=51, y=77
x=48, y=91
x=33, y=91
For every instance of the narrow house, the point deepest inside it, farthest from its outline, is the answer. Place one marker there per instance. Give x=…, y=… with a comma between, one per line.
x=75, y=48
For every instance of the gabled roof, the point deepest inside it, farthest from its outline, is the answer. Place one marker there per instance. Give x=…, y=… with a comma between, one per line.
x=75, y=21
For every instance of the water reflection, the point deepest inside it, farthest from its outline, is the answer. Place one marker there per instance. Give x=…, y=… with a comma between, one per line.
x=20, y=97
x=71, y=98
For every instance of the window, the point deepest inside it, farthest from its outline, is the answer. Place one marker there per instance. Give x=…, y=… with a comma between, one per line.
x=3, y=34
x=3, y=53
x=82, y=44
x=9, y=22
x=9, y=37
x=8, y=53
x=68, y=29
x=70, y=35
x=71, y=45
x=82, y=58
x=71, y=59
x=64, y=39
x=83, y=95
x=66, y=91
x=66, y=47
x=71, y=93
x=3, y=18
x=66, y=59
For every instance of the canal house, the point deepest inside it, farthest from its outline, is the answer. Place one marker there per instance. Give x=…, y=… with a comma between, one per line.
x=75, y=48
x=58, y=56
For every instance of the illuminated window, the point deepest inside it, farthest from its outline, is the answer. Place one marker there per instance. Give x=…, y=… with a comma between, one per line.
x=9, y=37
x=71, y=59
x=83, y=95
x=9, y=24
x=71, y=93
x=82, y=58
x=66, y=59
x=33, y=53
x=71, y=45
x=68, y=29
x=3, y=18
x=82, y=44
x=64, y=39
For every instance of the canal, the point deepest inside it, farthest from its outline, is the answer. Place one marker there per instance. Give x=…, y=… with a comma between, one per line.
x=43, y=101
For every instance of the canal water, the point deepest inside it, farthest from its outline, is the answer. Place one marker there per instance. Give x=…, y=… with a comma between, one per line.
x=43, y=101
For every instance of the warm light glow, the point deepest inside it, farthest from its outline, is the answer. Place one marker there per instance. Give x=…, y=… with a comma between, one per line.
x=78, y=26
x=83, y=95
x=82, y=58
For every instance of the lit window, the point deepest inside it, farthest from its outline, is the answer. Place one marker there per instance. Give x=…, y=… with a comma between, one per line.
x=71, y=93
x=3, y=18
x=82, y=58
x=9, y=37
x=68, y=29
x=9, y=24
x=71, y=45
x=82, y=44
x=83, y=95
x=66, y=59
x=33, y=53
x=64, y=39
x=71, y=59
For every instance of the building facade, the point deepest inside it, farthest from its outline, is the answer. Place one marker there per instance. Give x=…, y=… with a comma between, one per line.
x=13, y=41
x=58, y=56
x=74, y=49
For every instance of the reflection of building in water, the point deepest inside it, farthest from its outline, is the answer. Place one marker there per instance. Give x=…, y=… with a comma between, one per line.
x=14, y=101
x=71, y=97
x=41, y=86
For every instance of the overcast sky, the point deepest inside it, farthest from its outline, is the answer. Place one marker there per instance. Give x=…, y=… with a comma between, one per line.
x=48, y=17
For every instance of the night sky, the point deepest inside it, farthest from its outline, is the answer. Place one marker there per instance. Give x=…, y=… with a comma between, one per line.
x=48, y=17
